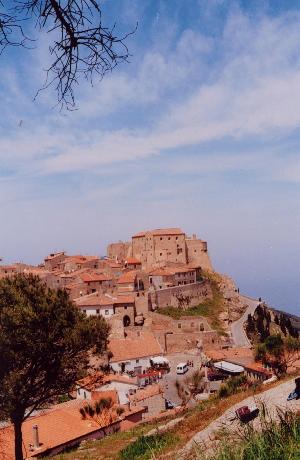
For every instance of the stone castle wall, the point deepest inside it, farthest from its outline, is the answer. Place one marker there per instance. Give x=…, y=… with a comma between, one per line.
x=183, y=296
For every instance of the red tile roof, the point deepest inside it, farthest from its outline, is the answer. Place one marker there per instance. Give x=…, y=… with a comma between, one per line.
x=56, y=427
x=127, y=277
x=160, y=272
x=133, y=261
x=132, y=348
x=124, y=299
x=90, y=277
x=94, y=300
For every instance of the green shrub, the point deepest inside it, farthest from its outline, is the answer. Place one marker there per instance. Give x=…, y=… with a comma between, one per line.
x=232, y=386
x=145, y=446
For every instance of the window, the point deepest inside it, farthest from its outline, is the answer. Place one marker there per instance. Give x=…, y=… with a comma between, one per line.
x=78, y=391
x=150, y=280
x=179, y=325
x=107, y=312
x=161, y=238
x=97, y=311
x=84, y=395
x=176, y=237
x=84, y=311
x=169, y=238
x=179, y=250
x=195, y=250
x=125, y=306
x=160, y=253
x=137, y=361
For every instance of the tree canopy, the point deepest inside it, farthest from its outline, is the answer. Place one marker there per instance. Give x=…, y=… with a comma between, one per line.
x=80, y=44
x=44, y=347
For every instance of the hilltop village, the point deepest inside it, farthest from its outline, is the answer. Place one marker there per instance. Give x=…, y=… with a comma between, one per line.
x=169, y=313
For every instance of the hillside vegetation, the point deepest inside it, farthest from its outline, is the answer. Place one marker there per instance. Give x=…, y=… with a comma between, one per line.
x=277, y=441
x=210, y=308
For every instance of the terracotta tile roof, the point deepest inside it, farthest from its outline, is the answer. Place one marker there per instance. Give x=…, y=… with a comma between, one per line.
x=238, y=355
x=119, y=378
x=127, y=277
x=124, y=299
x=132, y=348
x=94, y=300
x=92, y=381
x=89, y=277
x=181, y=269
x=258, y=367
x=160, y=272
x=132, y=261
x=56, y=427
x=141, y=395
x=160, y=232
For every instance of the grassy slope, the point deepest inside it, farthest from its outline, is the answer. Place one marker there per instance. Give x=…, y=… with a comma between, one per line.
x=277, y=441
x=210, y=308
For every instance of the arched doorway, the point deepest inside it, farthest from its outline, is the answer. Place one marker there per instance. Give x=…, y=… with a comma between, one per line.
x=126, y=321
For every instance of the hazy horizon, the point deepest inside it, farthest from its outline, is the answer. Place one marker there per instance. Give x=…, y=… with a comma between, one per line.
x=200, y=130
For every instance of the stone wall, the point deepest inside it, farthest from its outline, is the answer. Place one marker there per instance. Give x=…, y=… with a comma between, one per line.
x=182, y=341
x=184, y=296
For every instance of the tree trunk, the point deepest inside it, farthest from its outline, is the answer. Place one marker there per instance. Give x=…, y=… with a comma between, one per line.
x=18, y=439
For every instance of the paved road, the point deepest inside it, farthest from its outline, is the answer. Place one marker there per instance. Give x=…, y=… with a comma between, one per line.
x=237, y=330
x=273, y=399
x=168, y=381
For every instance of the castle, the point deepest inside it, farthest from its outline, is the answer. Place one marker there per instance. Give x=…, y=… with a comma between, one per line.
x=161, y=247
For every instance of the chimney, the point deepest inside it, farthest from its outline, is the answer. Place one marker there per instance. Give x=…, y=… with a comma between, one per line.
x=35, y=432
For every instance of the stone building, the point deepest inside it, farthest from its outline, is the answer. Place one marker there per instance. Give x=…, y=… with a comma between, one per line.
x=160, y=247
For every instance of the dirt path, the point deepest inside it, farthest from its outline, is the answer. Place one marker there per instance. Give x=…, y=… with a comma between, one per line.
x=273, y=398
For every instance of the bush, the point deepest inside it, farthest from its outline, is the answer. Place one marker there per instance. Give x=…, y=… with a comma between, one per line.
x=232, y=385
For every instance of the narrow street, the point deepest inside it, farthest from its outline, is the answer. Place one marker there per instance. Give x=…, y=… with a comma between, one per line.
x=237, y=327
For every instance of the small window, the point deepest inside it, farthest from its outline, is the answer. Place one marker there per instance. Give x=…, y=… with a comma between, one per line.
x=161, y=238
x=137, y=361
x=107, y=312
x=195, y=250
x=176, y=237
x=169, y=238
x=160, y=253
x=150, y=280
x=84, y=311
x=84, y=395
x=78, y=391
x=125, y=307
x=97, y=311
x=179, y=325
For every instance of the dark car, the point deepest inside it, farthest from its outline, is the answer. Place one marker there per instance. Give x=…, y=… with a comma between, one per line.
x=296, y=393
x=169, y=404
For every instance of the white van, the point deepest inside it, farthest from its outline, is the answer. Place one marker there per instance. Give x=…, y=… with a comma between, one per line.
x=182, y=368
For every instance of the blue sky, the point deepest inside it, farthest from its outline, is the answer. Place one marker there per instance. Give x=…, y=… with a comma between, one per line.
x=200, y=130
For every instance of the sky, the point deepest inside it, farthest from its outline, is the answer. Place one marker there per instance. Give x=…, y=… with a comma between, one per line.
x=200, y=130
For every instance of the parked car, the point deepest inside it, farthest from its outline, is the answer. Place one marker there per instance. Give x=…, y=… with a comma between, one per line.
x=247, y=413
x=182, y=368
x=169, y=404
x=296, y=393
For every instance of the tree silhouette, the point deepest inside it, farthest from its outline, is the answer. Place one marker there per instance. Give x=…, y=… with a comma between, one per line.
x=81, y=45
